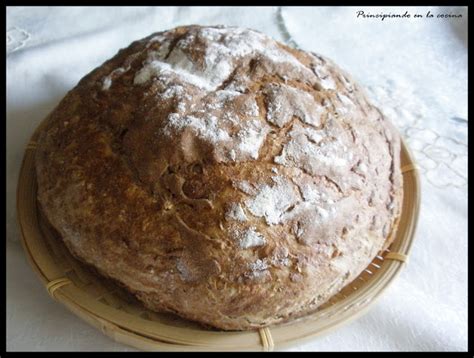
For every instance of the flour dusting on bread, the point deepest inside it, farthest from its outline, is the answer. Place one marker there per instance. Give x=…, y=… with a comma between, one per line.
x=235, y=212
x=221, y=175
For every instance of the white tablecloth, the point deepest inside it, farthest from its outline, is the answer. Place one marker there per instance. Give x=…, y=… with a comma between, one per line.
x=415, y=69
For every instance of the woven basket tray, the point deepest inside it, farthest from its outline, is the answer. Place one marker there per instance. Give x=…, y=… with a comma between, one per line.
x=121, y=317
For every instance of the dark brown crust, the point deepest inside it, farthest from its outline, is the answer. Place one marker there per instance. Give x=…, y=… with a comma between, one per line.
x=148, y=210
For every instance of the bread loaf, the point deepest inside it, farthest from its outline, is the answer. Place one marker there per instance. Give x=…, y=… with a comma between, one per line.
x=221, y=175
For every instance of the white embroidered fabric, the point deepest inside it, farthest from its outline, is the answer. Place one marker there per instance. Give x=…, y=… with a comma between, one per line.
x=415, y=69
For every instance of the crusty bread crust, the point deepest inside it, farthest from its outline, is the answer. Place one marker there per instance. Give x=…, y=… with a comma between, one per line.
x=221, y=175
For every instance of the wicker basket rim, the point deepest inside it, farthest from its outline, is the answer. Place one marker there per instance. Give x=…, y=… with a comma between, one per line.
x=148, y=335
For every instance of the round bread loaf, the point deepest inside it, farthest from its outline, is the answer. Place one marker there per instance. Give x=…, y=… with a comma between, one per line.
x=220, y=175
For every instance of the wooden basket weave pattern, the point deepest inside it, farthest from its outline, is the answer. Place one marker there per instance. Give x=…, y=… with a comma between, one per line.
x=120, y=316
